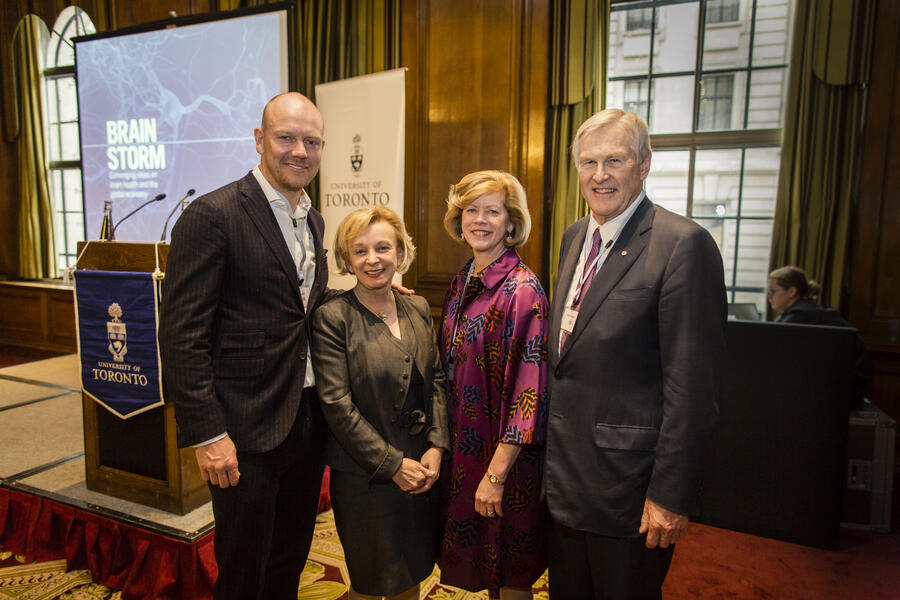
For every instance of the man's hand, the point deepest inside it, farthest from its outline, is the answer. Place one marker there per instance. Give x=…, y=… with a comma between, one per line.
x=218, y=463
x=403, y=290
x=663, y=527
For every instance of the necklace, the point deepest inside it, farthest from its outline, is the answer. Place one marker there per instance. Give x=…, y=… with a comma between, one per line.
x=378, y=313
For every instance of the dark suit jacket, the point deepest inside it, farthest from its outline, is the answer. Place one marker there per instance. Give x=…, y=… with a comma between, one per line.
x=363, y=374
x=233, y=329
x=633, y=393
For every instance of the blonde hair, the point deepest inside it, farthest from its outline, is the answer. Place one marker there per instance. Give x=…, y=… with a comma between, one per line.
x=481, y=183
x=358, y=221
x=633, y=123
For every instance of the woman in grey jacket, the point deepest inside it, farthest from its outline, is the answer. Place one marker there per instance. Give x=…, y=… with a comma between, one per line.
x=381, y=388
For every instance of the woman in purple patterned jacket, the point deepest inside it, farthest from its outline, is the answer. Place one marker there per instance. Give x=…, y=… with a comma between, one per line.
x=492, y=340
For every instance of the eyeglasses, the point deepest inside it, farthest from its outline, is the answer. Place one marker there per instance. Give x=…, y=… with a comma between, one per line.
x=771, y=291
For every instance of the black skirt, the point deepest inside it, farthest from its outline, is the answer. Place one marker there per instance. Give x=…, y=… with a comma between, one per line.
x=390, y=538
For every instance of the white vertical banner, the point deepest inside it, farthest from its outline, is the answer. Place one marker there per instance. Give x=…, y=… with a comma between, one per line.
x=363, y=162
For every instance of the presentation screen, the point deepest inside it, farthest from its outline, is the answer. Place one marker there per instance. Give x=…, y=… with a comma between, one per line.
x=172, y=109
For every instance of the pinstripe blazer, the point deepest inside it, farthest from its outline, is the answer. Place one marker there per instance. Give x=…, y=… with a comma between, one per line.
x=233, y=329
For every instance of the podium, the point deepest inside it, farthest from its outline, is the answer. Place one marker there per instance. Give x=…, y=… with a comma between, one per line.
x=137, y=459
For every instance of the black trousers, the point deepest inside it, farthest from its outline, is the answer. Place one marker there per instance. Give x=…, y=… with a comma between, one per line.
x=264, y=525
x=588, y=566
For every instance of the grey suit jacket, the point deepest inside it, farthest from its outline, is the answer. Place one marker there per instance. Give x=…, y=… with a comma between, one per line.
x=233, y=328
x=363, y=374
x=633, y=392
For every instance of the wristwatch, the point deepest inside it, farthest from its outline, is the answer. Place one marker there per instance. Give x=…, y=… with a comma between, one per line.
x=494, y=479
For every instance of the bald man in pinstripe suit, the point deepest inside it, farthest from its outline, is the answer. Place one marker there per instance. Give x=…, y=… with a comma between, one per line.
x=245, y=271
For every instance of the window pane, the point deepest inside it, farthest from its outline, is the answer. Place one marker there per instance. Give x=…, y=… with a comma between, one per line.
x=772, y=33
x=721, y=11
x=721, y=102
x=72, y=189
x=672, y=105
x=51, y=91
x=767, y=89
x=629, y=51
x=753, y=252
x=760, y=182
x=68, y=101
x=675, y=40
x=640, y=18
x=717, y=175
x=53, y=151
x=723, y=231
x=635, y=97
x=726, y=43
x=56, y=188
x=59, y=231
x=69, y=140
x=615, y=91
x=74, y=231
x=667, y=184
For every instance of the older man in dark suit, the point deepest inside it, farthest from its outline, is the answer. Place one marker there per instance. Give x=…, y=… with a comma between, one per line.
x=636, y=355
x=246, y=270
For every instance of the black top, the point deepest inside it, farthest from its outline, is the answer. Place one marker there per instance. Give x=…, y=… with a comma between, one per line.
x=808, y=312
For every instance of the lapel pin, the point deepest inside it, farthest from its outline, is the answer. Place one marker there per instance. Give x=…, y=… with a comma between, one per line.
x=624, y=252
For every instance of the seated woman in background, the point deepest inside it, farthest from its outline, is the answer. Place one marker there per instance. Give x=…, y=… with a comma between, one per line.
x=382, y=390
x=791, y=294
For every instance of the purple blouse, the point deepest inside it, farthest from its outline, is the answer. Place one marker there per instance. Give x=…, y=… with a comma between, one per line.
x=496, y=371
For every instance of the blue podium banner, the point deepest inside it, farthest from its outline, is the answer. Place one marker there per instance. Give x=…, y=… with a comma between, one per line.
x=116, y=317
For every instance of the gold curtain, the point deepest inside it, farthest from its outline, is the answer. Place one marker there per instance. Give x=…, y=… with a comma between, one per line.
x=337, y=39
x=37, y=249
x=578, y=89
x=820, y=152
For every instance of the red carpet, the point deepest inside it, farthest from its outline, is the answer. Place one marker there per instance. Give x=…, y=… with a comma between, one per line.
x=713, y=563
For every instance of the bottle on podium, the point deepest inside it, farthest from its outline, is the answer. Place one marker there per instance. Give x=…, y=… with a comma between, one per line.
x=106, y=228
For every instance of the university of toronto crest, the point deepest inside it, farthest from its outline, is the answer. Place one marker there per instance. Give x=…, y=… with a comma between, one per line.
x=115, y=333
x=356, y=159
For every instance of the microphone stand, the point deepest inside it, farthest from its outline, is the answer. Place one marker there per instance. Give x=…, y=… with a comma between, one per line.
x=180, y=203
x=156, y=198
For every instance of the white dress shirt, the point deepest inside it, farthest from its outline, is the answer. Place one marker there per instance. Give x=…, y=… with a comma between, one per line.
x=609, y=232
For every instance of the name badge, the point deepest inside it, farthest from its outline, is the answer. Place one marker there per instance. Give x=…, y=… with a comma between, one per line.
x=568, y=320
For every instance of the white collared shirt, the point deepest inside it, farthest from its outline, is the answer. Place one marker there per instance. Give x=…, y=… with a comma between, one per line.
x=609, y=232
x=299, y=241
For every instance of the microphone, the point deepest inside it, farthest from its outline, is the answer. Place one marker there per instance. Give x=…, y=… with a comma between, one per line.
x=180, y=203
x=156, y=198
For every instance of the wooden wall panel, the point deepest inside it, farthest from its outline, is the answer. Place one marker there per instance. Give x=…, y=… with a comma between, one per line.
x=476, y=99
x=37, y=315
x=873, y=302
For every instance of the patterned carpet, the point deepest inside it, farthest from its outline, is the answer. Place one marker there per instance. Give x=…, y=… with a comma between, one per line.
x=325, y=576
x=48, y=581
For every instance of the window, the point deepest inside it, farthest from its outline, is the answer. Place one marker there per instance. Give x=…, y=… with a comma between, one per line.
x=710, y=80
x=641, y=18
x=716, y=92
x=722, y=11
x=63, y=152
x=636, y=97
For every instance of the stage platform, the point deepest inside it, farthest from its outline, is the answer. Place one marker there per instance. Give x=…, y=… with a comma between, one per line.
x=43, y=449
x=47, y=512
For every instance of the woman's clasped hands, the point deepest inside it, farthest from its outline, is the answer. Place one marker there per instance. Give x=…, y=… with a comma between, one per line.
x=417, y=476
